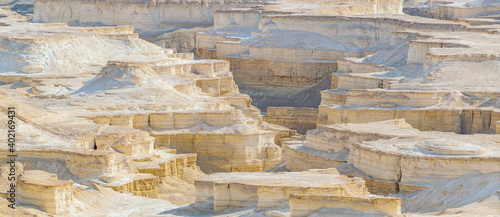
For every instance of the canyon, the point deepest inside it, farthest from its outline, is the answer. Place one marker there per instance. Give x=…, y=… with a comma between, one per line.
x=250, y=108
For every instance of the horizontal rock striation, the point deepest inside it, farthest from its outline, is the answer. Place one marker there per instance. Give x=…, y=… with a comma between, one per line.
x=299, y=119
x=144, y=15
x=393, y=152
x=45, y=191
x=271, y=190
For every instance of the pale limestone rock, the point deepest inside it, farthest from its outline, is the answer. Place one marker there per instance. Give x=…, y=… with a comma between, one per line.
x=425, y=110
x=45, y=191
x=262, y=49
x=284, y=73
x=125, y=141
x=300, y=158
x=144, y=87
x=391, y=153
x=428, y=120
x=169, y=166
x=305, y=205
x=390, y=66
x=253, y=150
x=299, y=119
x=419, y=166
x=271, y=190
x=140, y=184
x=371, y=51
x=145, y=15
x=359, y=67
x=92, y=105
x=464, y=9
x=432, y=99
x=84, y=164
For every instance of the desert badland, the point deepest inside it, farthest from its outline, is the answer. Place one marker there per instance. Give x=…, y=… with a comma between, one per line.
x=250, y=108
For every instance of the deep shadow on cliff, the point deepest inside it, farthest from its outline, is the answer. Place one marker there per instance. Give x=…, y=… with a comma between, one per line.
x=269, y=96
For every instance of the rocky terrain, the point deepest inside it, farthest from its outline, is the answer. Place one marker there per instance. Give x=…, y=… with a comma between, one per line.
x=250, y=108
x=23, y=7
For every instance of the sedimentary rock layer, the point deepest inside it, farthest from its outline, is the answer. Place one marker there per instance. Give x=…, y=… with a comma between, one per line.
x=299, y=119
x=392, y=152
x=143, y=15
x=45, y=191
x=297, y=190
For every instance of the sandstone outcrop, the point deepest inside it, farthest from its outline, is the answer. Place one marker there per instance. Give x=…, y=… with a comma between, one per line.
x=190, y=96
x=101, y=107
x=299, y=119
x=304, y=192
x=423, y=78
x=45, y=191
x=332, y=205
x=393, y=152
x=144, y=15
x=389, y=66
x=262, y=51
x=474, y=12
x=371, y=51
x=390, y=104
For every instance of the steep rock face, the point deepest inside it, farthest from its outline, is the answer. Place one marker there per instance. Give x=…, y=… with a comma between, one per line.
x=45, y=191
x=424, y=77
x=282, y=73
x=458, y=159
x=145, y=185
x=430, y=120
x=76, y=164
x=463, y=112
x=299, y=191
x=392, y=152
x=166, y=97
x=375, y=51
x=101, y=107
x=299, y=119
x=474, y=12
x=31, y=53
x=286, y=45
x=147, y=100
x=143, y=15
x=300, y=158
x=328, y=205
x=181, y=41
x=237, y=148
x=368, y=51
